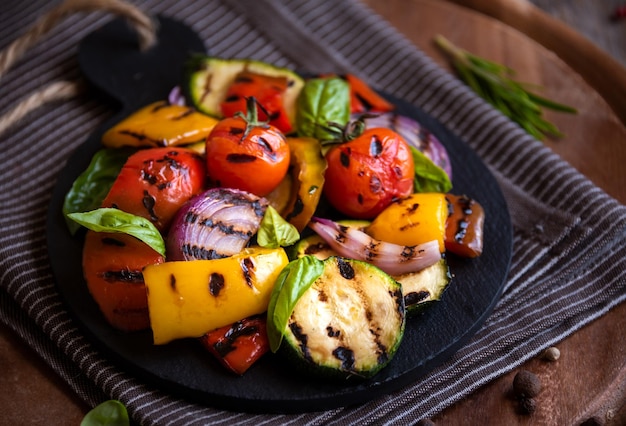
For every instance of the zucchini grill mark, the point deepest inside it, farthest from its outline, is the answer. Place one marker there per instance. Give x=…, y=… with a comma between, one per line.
x=347, y=298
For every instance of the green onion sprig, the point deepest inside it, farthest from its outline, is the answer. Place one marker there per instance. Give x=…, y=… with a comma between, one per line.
x=494, y=83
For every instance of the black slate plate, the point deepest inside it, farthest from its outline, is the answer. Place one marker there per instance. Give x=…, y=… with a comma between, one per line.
x=183, y=367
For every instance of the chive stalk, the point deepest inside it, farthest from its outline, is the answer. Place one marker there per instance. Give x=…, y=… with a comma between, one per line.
x=494, y=83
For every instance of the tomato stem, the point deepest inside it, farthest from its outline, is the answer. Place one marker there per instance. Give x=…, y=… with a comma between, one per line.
x=352, y=130
x=252, y=116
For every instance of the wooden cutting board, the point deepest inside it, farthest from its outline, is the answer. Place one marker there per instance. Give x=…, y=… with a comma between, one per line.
x=572, y=71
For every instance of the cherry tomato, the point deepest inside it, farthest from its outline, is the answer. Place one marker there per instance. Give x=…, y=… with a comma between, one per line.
x=244, y=154
x=367, y=173
x=154, y=183
x=267, y=90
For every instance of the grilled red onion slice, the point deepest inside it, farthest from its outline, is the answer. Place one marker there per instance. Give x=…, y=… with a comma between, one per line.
x=415, y=135
x=217, y=223
x=392, y=258
x=176, y=97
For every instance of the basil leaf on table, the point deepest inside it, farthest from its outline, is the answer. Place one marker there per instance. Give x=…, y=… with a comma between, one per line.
x=321, y=102
x=109, y=413
x=428, y=176
x=293, y=281
x=92, y=186
x=275, y=231
x=115, y=220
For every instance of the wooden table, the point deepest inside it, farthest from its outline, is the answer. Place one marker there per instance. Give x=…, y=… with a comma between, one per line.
x=590, y=377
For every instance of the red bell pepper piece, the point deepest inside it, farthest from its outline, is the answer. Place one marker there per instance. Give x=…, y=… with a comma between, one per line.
x=267, y=90
x=464, y=226
x=239, y=345
x=364, y=98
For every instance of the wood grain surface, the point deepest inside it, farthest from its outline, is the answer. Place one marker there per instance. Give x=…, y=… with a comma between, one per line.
x=589, y=380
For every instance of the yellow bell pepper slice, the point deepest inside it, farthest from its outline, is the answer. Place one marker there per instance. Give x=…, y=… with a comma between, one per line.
x=191, y=298
x=160, y=124
x=412, y=220
x=307, y=170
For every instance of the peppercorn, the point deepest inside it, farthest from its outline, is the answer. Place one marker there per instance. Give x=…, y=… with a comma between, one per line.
x=593, y=421
x=527, y=405
x=551, y=354
x=526, y=384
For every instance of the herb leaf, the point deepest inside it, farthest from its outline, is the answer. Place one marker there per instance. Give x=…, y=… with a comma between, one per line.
x=275, y=231
x=109, y=413
x=293, y=281
x=323, y=101
x=93, y=184
x=115, y=220
x=494, y=83
x=428, y=176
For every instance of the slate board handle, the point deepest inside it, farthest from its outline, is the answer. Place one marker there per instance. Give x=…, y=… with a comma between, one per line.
x=110, y=59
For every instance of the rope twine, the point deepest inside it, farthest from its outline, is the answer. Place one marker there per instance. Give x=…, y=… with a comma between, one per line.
x=61, y=90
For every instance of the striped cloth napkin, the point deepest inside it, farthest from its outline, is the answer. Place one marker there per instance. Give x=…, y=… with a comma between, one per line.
x=568, y=246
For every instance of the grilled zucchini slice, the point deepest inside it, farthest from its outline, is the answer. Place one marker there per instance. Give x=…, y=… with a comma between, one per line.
x=419, y=288
x=348, y=323
x=208, y=79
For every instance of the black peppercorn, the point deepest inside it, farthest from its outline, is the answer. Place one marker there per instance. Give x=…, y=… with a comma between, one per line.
x=593, y=421
x=526, y=384
x=527, y=405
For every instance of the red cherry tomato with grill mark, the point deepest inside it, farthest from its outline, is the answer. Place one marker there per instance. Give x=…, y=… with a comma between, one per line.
x=154, y=183
x=366, y=174
x=244, y=154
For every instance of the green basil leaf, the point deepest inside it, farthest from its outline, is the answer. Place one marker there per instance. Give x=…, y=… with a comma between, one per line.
x=93, y=184
x=428, y=176
x=275, y=231
x=321, y=102
x=109, y=413
x=293, y=281
x=115, y=220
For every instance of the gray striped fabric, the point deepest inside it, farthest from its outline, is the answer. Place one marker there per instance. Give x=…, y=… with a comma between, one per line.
x=568, y=260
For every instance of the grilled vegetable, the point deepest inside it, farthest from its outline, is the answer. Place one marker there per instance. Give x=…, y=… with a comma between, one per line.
x=425, y=286
x=392, y=258
x=348, y=322
x=364, y=98
x=112, y=267
x=280, y=196
x=419, y=288
x=239, y=345
x=215, y=224
x=367, y=171
x=246, y=154
x=464, y=230
x=412, y=220
x=191, y=298
x=155, y=183
x=307, y=177
x=209, y=80
x=414, y=134
x=160, y=124
x=267, y=90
